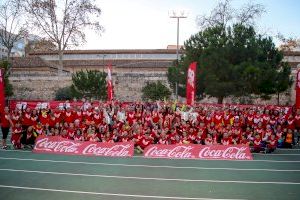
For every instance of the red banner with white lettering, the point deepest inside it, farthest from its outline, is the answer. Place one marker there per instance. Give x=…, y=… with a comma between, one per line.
x=2, y=91
x=298, y=90
x=109, y=83
x=194, y=151
x=59, y=145
x=191, y=84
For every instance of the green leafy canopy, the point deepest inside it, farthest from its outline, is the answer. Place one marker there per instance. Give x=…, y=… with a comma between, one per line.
x=89, y=83
x=155, y=91
x=233, y=61
x=4, y=64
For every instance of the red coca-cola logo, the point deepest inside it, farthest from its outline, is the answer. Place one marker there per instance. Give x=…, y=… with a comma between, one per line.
x=221, y=152
x=175, y=152
x=65, y=146
x=58, y=145
x=117, y=150
x=236, y=153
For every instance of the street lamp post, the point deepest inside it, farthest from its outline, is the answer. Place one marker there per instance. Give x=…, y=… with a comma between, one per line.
x=177, y=15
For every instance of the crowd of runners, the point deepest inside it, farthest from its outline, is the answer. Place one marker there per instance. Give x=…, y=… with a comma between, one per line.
x=261, y=127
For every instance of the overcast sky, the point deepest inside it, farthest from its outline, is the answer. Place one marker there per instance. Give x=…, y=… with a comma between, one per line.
x=145, y=24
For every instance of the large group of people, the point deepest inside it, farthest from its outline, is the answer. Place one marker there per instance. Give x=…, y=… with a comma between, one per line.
x=261, y=127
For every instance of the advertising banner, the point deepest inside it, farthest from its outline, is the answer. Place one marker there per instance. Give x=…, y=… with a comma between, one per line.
x=191, y=84
x=193, y=151
x=59, y=145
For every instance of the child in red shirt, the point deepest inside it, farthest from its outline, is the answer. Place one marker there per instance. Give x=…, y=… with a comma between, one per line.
x=271, y=144
x=16, y=136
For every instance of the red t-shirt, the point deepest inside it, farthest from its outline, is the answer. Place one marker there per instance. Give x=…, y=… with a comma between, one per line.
x=5, y=120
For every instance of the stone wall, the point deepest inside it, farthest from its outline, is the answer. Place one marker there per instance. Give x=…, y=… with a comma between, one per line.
x=37, y=87
x=127, y=86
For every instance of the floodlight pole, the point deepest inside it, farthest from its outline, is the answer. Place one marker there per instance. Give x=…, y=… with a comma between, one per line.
x=178, y=17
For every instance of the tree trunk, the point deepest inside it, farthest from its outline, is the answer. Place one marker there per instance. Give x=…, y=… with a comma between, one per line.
x=9, y=60
x=220, y=100
x=60, y=62
x=8, y=54
x=278, y=98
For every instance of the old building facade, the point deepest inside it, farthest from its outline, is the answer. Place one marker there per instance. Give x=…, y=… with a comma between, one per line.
x=35, y=77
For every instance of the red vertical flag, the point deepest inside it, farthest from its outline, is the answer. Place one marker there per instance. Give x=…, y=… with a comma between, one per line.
x=109, y=83
x=191, y=83
x=2, y=94
x=298, y=90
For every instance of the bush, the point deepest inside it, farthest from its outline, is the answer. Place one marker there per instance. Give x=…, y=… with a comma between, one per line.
x=89, y=83
x=63, y=94
x=155, y=91
x=4, y=64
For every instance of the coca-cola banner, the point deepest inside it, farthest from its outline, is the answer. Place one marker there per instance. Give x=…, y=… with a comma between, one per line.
x=59, y=145
x=109, y=83
x=194, y=151
x=191, y=84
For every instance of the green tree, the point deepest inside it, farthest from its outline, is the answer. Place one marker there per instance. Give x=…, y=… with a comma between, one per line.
x=233, y=61
x=89, y=83
x=283, y=81
x=4, y=64
x=155, y=91
x=63, y=22
x=64, y=93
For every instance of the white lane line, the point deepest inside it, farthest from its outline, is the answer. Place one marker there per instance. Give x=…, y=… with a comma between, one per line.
x=150, y=166
x=108, y=194
x=150, y=178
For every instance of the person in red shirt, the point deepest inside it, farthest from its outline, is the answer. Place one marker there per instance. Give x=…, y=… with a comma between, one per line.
x=44, y=117
x=208, y=140
x=52, y=120
x=218, y=119
x=69, y=116
x=16, y=116
x=78, y=136
x=200, y=137
x=16, y=135
x=58, y=115
x=144, y=142
x=291, y=122
x=163, y=138
x=257, y=144
x=28, y=138
x=6, y=123
x=71, y=131
x=244, y=140
x=107, y=138
x=271, y=144
x=226, y=140
x=64, y=134
x=39, y=129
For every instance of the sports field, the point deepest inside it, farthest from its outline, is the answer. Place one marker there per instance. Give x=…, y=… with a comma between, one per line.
x=25, y=175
